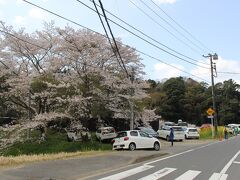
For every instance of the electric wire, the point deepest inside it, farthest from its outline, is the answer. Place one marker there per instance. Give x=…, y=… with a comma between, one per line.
x=225, y=72
x=41, y=47
x=105, y=16
x=62, y=17
x=180, y=26
x=144, y=34
x=163, y=27
x=107, y=34
x=138, y=36
x=141, y=52
x=171, y=26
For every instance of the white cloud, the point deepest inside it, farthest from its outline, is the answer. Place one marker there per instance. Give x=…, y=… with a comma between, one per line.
x=2, y=2
x=222, y=65
x=163, y=71
x=36, y=13
x=166, y=1
x=18, y=2
x=19, y=19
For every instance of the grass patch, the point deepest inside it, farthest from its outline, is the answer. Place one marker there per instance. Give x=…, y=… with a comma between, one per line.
x=206, y=133
x=56, y=143
x=23, y=159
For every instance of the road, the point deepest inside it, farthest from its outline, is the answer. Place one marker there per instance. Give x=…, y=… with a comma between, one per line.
x=215, y=161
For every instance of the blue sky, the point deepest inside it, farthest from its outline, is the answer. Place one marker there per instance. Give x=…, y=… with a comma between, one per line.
x=214, y=22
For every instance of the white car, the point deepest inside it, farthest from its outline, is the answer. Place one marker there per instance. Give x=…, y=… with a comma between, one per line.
x=191, y=133
x=135, y=139
x=178, y=132
x=106, y=133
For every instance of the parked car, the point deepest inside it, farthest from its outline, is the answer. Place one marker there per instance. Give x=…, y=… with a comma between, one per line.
x=135, y=139
x=191, y=133
x=233, y=128
x=164, y=133
x=229, y=129
x=169, y=123
x=105, y=133
x=205, y=126
x=183, y=124
x=149, y=131
x=78, y=134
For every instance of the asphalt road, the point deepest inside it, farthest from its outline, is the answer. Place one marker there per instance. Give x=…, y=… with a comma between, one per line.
x=188, y=160
x=215, y=161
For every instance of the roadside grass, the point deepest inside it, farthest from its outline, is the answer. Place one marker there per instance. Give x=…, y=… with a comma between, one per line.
x=206, y=133
x=56, y=143
x=11, y=161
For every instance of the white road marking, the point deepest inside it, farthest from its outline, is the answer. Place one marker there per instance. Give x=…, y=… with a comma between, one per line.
x=236, y=162
x=128, y=173
x=158, y=174
x=162, y=158
x=190, y=150
x=224, y=170
x=188, y=175
x=218, y=176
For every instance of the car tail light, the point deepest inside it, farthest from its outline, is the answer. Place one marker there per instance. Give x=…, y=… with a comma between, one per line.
x=126, y=138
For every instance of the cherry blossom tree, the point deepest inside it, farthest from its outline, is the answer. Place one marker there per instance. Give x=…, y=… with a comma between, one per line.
x=69, y=72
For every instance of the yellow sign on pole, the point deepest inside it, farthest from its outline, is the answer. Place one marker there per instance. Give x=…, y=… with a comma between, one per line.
x=210, y=111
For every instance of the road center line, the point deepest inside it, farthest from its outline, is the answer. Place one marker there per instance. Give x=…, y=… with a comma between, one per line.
x=218, y=176
x=224, y=170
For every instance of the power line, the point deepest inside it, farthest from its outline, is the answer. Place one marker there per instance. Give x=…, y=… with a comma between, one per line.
x=105, y=16
x=143, y=33
x=62, y=17
x=105, y=37
x=171, y=25
x=36, y=45
x=150, y=17
x=157, y=59
x=225, y=72
x=41, y=47
x=147, y=40
x=180, y=26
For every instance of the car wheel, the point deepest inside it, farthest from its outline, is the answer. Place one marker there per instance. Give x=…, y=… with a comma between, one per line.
x=167, y=138
x=156, y=146
x=132, y=146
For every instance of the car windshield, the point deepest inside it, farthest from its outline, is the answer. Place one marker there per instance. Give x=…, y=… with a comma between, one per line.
x=183, y=124
x=121, y=134
x=108, y=130
x=192, y=130
x=148, y=130
x=177, y=128
x=184, y=128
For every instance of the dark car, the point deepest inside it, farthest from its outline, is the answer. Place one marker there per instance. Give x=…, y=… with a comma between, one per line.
x=149, y=131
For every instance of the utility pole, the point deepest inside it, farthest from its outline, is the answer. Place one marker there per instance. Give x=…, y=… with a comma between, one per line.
x=29, y=113
x=213, y=67
x=131, y=101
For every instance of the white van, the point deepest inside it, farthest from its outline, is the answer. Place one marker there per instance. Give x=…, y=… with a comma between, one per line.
x=164, y=133
x=104, y=133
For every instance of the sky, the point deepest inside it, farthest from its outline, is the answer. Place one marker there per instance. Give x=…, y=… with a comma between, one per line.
x=212, y=27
